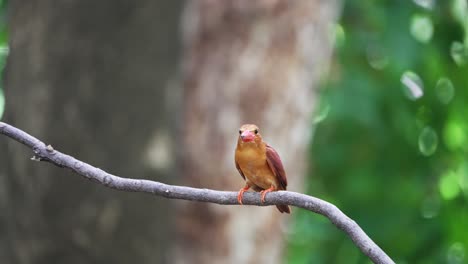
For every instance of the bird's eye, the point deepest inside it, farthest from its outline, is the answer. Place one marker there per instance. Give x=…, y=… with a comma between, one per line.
x=256, y=131
x=240, y=131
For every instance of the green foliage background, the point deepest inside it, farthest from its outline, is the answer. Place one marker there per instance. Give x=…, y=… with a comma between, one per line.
x=406, y=189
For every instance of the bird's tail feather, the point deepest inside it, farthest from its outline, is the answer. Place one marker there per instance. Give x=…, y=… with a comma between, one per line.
x=284, y=209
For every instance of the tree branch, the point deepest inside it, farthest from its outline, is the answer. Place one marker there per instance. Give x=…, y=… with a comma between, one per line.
x=338, y=218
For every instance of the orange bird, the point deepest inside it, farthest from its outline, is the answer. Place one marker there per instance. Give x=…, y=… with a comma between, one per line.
x=259, y=165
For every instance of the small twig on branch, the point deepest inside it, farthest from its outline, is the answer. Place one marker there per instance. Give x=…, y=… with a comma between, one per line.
x=43, y=152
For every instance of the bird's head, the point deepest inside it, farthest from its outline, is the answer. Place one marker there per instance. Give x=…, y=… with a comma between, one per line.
x=249, y=133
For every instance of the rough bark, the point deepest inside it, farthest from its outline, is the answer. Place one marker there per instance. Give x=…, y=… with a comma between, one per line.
x=88, y=76
x=246, y=62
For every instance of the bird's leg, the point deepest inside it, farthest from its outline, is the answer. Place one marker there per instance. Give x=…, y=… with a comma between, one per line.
x=241, y=193
x=264, y=192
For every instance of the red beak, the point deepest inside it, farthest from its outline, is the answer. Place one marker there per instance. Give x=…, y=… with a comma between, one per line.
x=247, y=136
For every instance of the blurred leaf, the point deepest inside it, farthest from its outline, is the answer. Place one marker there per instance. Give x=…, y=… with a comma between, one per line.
x=456, y=254
x=460, y=10
x=454, y=135
x=448, y=185
x=463, y=176
x=339, y=35
x=459, y=53
x=322, y=112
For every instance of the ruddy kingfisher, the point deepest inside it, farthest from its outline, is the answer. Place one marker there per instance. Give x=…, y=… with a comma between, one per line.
x=259, y=164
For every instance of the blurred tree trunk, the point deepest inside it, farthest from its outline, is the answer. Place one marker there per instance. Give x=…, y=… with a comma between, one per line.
x=89, y=78
x=246, y=62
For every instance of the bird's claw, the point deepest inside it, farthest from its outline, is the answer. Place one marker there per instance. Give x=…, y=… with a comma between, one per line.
x=239, y=196
x=241, y=193
x=264, y=192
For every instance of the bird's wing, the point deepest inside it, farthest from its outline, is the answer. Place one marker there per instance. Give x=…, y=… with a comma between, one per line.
x=239, y=169
x=276, y=166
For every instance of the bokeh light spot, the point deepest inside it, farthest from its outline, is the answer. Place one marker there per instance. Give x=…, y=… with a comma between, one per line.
x=460, y=10
x=454, y=135
x=421, y=28
x=448, y=185
x=445, y=90
x=413, y=85
x=428, y=141
x=459, y=53
x=427, y=4
x=456, y=253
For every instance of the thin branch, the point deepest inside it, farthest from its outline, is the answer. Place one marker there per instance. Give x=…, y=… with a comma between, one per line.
x=338, y=218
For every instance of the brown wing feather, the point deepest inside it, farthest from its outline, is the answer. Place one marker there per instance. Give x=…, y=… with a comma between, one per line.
x=276, y=166
x=239, y=169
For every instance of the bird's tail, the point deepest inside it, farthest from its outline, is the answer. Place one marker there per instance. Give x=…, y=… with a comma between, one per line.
x=284, y=209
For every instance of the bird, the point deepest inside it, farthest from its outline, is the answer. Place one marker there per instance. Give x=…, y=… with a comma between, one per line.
x=259, y=165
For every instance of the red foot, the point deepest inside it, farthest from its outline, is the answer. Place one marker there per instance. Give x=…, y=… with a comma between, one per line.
x=241, y=193
x=264, y=192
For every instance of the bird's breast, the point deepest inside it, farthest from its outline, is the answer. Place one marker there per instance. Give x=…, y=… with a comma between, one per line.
x=255, y=168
